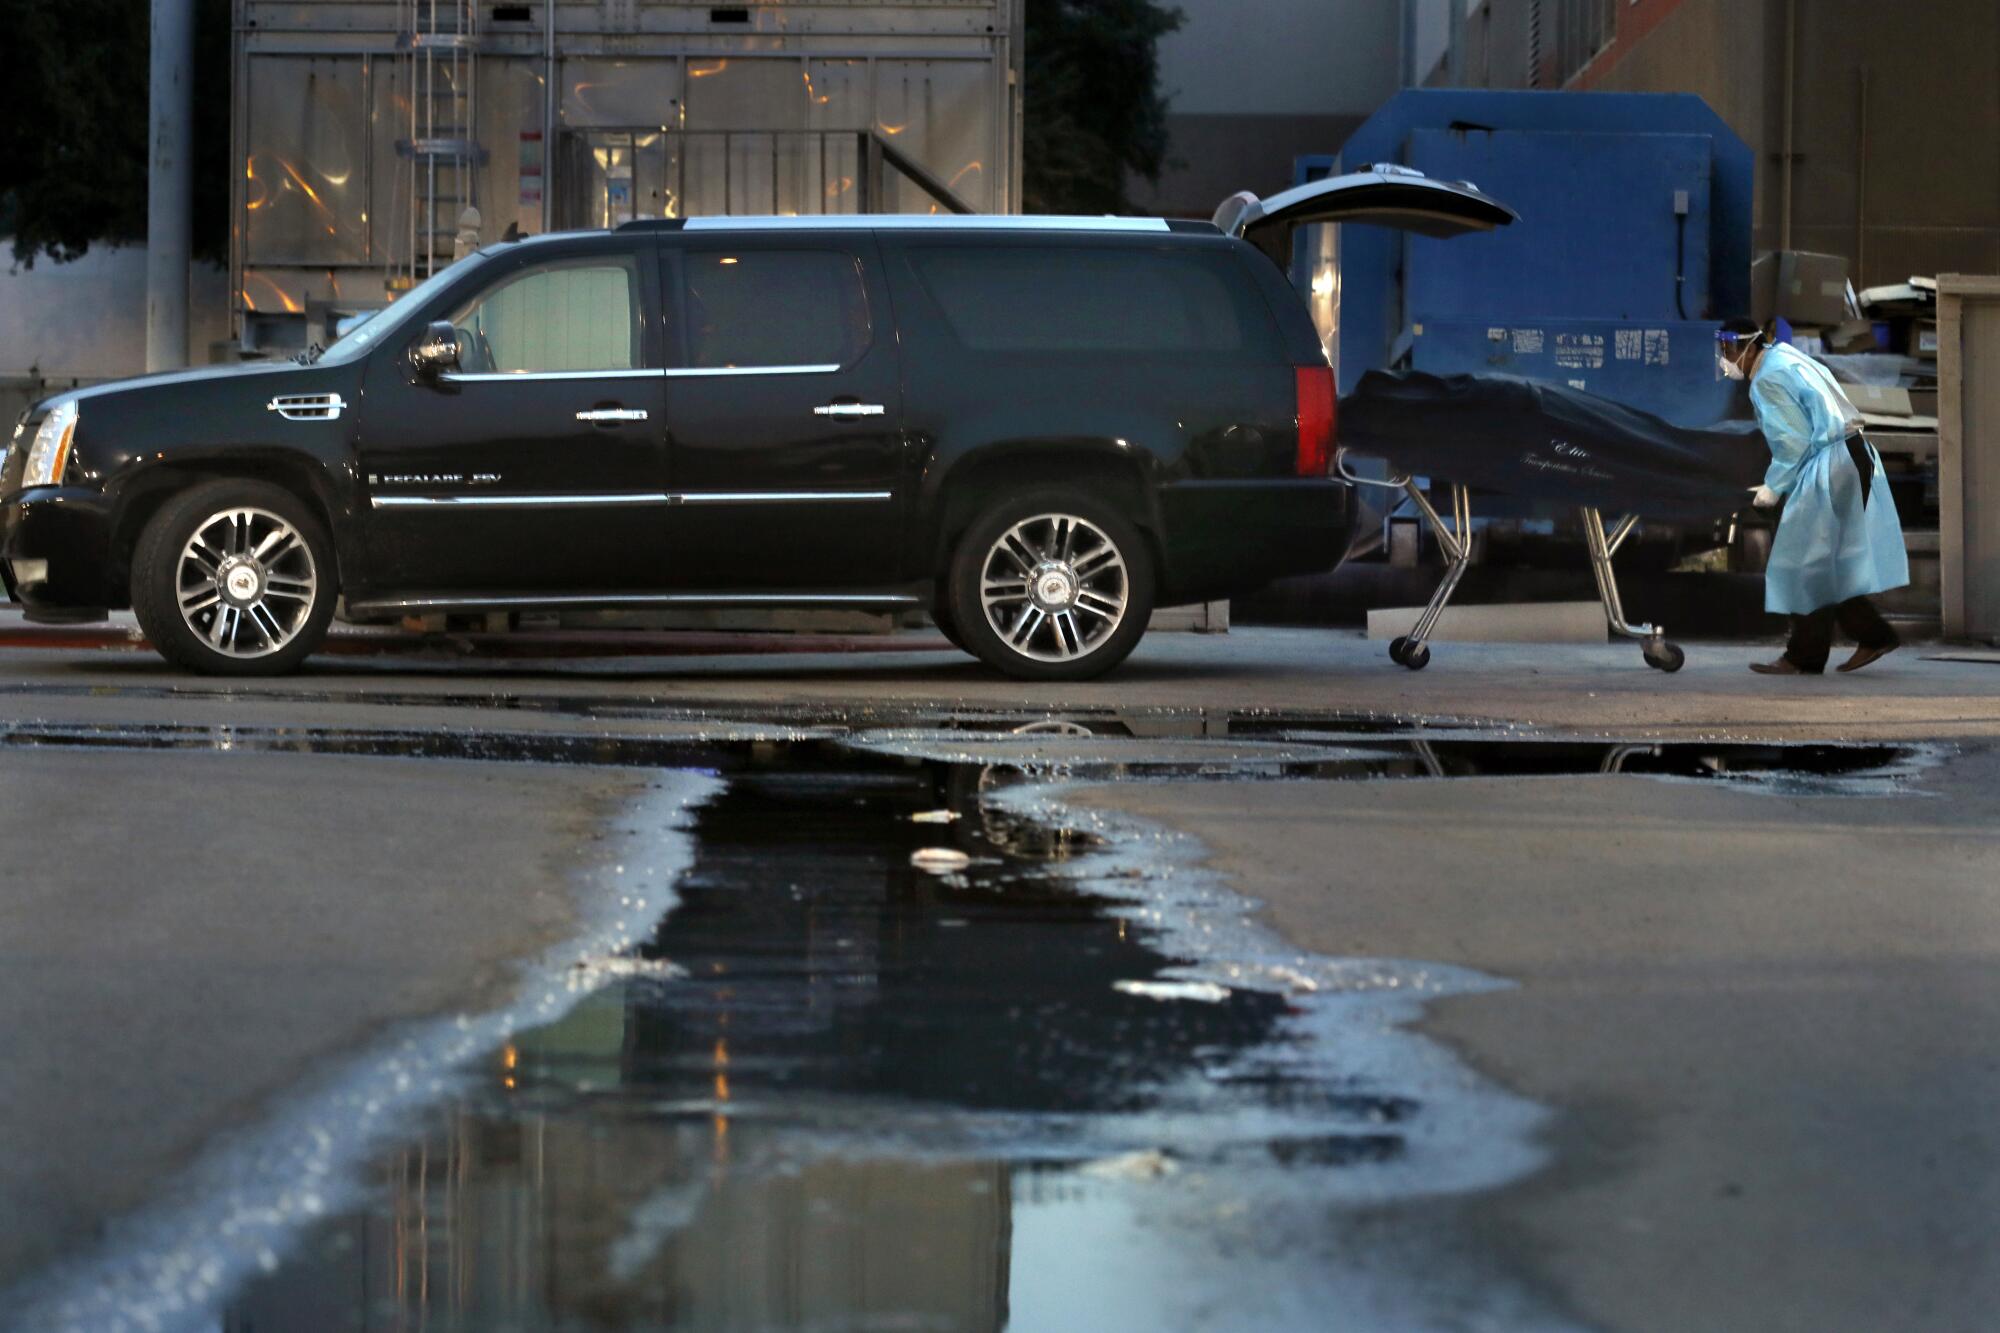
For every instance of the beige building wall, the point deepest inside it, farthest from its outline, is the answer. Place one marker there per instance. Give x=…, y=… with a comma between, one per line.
x=1901, y=178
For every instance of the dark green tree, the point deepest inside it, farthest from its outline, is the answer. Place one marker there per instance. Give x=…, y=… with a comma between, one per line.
x=73, y=109
x=1092, y=103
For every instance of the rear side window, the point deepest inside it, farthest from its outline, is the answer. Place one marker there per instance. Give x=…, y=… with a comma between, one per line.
x=1081, y=299
x=774, y=308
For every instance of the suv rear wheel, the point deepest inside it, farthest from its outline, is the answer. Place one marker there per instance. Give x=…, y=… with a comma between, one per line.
x=1051, y=585
x=234, y=578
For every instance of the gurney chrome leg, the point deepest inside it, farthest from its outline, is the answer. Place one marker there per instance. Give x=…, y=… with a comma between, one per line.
x=1410, y=650
x=1658, y=652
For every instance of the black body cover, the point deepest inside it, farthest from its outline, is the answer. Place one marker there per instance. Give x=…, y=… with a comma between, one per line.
x=1543, y=441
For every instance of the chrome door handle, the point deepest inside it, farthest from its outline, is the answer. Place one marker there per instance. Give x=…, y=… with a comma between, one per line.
x=613, y=414
x=848, y=410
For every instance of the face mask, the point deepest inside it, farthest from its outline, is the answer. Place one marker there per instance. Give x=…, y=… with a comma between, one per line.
x=1730, y=370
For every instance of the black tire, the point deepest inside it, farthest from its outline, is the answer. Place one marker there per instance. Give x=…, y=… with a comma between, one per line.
x=1397, y=646
x=1079, y=640
x=294, y=592
x=1667, y=657
x=1417, y=658
x=941, y=617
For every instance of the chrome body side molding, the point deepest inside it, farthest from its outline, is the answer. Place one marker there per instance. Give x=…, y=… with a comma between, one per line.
x=699, y=372
x=612, y=600
x=515, y=501
x=530, y=376
x=778, y=497
x=486, y=501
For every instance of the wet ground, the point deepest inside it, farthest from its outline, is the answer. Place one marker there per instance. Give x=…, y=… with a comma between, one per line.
x=1642, y=1020
x=915, y=1046
x=869, y=1096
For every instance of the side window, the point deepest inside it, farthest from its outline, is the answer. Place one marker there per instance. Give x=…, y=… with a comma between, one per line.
x=581, y=314
x=774, y=308
x=1060, y=299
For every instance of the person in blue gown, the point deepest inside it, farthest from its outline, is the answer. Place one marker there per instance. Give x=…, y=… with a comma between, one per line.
x=1839, y=541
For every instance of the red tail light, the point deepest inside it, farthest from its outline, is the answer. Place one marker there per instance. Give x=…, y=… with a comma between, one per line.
x=1316, y=409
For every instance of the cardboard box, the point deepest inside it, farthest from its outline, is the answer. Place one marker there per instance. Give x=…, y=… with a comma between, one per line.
x=1878, y=401
x=1923, y=402
x=1923, y=339
x=1810, y=341
x=1812, y=288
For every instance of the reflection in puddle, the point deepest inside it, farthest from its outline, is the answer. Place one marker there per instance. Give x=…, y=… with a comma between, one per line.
x=1237, y=747
x=866, y=1080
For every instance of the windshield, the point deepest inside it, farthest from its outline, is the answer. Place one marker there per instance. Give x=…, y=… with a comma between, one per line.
x=380, y=327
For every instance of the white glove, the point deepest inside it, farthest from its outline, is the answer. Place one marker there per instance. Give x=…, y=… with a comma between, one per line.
x=1764, y=497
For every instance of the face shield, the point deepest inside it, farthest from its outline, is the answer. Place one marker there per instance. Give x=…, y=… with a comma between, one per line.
x=1730, y=349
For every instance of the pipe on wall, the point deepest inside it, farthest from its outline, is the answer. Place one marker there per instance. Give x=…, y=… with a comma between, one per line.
x=551, y=71
x=169, y=183
x=1791, y=77
x=1861, y=183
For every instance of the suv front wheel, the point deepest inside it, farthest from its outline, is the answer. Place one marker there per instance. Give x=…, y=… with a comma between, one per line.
x=1051, y=585
x=234, y=578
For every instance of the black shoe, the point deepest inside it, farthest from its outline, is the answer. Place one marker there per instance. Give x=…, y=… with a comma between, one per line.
x=1865, y=654
x=1784, y=666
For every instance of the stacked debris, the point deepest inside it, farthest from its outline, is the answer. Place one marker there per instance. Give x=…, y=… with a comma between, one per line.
x=1886, y=360
x=1882, y=341
x=1902, y=322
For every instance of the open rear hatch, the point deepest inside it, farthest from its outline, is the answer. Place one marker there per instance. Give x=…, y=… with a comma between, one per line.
x=1384, y=194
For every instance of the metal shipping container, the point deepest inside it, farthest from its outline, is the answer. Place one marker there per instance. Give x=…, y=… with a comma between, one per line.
x=366, y=130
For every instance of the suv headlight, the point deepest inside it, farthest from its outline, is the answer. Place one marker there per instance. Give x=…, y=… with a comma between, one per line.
x=49, y=455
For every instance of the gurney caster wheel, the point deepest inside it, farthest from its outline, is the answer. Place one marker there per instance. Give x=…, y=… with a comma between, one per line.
x=1664, y=656
x=1415, y=658
x=1396, y=647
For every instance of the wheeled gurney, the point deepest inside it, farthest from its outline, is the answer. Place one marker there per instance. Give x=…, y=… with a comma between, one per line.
x=1542, y=442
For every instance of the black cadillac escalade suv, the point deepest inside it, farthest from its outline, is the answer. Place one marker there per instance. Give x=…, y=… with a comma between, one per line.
x=1037, y=428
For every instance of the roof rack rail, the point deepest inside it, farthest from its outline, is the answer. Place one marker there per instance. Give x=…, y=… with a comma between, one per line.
x=925, y=222
x=917, y=222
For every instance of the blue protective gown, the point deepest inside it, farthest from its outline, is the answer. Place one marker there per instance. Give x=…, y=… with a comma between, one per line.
x=1828, y=548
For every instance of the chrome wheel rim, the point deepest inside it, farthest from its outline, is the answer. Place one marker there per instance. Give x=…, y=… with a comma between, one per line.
x=245, y=582
x=1054, y=587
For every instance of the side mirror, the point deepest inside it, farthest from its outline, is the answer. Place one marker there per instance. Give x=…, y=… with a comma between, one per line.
x=437, y=351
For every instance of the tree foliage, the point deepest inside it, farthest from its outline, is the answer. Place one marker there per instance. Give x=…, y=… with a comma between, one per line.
x=73, y=125
x=1092, y=104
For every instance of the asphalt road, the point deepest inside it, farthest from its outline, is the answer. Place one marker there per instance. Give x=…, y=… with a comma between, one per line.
x=1763, y=1020
x=1766, y=1022
x=185, y=936
x=1589, y=688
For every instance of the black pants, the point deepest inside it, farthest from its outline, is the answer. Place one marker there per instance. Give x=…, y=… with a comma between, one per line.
x=1812, y=636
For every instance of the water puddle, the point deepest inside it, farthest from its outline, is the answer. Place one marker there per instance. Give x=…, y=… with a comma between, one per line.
x=915, y=1047
x=1234, y=746
x=859, y=1093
